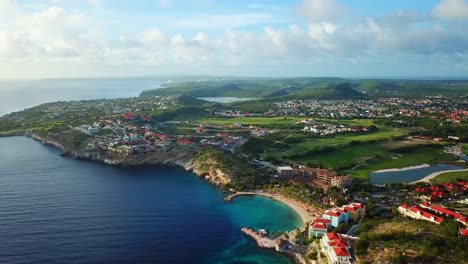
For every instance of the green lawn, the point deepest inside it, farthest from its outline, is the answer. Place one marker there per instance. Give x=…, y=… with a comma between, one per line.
x=220, y=121
x=416, y=157
x=465, y=149
x=449, y=176
x=338, y=141
x=225, y=121
x=348, y=156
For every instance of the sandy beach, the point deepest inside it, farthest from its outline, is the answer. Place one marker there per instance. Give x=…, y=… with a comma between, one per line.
x=404, y=169
x=304, y=211
x=435, y=174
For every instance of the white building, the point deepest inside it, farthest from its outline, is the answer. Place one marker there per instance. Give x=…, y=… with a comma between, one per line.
x=284, y=171
x=336, y=249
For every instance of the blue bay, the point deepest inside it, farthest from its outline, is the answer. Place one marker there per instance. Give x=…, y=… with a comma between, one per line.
x=58, y=210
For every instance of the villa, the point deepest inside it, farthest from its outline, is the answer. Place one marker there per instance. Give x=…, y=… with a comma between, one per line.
x=416, y=213
x=319, y=227
x=336, y=249
x=353, y=211
x=440, y=210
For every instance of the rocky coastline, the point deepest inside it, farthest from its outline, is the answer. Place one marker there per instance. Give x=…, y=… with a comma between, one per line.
x=169, y=157
x=280, y=245
x=178, y=157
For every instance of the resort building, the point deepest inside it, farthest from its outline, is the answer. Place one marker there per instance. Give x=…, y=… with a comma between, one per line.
x=336, y=249
x=328, y=176
x=284, y=171
x=319, y=227
x=440, y=210
x=417, y=213
x=354, y=211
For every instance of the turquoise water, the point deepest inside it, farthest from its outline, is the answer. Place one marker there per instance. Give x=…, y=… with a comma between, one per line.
x=58, y=210
x=408, y=175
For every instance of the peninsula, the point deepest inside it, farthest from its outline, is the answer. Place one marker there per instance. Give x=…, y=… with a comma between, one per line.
x=307, y=142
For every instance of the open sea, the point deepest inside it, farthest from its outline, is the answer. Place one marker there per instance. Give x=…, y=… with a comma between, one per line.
x=18, y=95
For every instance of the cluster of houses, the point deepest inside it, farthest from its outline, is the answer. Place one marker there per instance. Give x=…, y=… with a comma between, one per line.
x=435, y=215
x=335, y=216
x=432, y=107
x=331, y=129
x=442, y=191
x=327, y=176
x=336, y=246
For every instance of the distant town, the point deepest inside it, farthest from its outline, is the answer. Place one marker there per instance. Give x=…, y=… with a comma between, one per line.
x=315, y=155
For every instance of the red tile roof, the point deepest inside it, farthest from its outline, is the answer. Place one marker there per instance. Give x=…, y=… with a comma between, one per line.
x=332, y=236
x=464, y=232
x=442, y=210
x=333, y=213
x=463, y=220
x=341, y=252
x=320, y=223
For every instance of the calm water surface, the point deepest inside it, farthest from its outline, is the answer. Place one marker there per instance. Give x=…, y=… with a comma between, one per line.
x=58, y=210
x=18, y=95
x=408, y=175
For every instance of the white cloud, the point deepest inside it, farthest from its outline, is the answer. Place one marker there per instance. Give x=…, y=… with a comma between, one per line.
x=451, y=9
x=165, y=3
x=152, y=36
x=321, y=10
x=8, y=7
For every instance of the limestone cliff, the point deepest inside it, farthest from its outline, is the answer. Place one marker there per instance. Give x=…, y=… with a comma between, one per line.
x=85, y=148
x=210, y=169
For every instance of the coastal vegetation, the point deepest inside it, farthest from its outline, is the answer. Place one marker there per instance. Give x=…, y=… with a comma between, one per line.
x=400, y=240
x=239, y=174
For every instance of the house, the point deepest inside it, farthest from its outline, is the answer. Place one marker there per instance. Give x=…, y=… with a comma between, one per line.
x=319, y=227
x=284, y=171
x=416, y=213
x=184, y=142
x=354, y=211
x=463, y=232
x=336, y=217
x=336, y=249
x=440, y=210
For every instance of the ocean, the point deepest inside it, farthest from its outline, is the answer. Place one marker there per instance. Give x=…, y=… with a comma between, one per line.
x=18, y=95
x=54, y=209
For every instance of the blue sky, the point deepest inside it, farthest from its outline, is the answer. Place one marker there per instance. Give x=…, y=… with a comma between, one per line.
x=347, y=38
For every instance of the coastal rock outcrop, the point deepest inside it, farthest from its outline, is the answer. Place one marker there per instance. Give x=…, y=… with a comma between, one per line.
x=68, y=145
x=208, y=168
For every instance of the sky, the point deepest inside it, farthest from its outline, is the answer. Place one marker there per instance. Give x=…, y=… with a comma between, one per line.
x=343, y=38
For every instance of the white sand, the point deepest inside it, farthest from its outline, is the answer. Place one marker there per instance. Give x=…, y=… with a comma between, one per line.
x=435, y=174
x=405, y=168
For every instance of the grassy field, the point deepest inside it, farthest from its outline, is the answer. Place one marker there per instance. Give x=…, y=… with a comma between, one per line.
x=416, y=157
x=273, y=121
x=465, y=149
x=449, y=176
x=375, y=151
x=341, y=140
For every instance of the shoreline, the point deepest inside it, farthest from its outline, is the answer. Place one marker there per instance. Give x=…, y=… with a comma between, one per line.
x=434, y=175
x=305, y=212
x=425, y=165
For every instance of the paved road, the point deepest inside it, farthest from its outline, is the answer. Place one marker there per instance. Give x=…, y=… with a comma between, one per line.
x=352, y=230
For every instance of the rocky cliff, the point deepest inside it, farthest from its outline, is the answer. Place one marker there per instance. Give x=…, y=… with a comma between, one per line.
x=66, y=142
